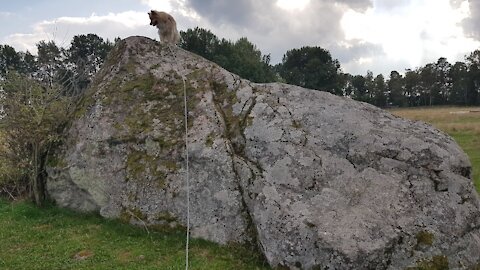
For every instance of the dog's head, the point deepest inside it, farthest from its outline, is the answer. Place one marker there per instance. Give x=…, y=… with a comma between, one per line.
x=153, y=20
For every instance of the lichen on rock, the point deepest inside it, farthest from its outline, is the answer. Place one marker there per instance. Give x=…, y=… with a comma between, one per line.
x=312, y=180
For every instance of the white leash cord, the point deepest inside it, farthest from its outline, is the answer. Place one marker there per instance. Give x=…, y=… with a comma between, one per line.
x=187, y=179
x=186, y=173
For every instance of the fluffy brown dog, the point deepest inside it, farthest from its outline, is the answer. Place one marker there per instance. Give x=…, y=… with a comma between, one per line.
x=167, y=27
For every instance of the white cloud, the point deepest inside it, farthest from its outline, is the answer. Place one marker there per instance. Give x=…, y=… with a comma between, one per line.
x=129, y=19
x=62, y=30
x=380, y=36
x=292, y=5
x=4, y=14
x=109, y=26
x=179, y=7
x=163, y=5
x=24, y=42
x=418, y=32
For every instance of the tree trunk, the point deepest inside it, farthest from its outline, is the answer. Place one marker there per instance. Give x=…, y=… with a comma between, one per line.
x=37, y=177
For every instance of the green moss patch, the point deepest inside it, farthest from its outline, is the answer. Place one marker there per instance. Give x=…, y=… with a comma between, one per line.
x=165, y=216
x=143, y=167
x=135, y=213
x=424, y=238
x=235, y=125
x=296, y=124
x=209, y=140
x=439, y=262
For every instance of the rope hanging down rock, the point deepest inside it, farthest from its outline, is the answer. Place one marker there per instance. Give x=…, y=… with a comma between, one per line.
x=187, y=180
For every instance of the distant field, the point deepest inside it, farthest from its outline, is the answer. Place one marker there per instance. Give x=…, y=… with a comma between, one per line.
x=462, y=123
x=52, y=238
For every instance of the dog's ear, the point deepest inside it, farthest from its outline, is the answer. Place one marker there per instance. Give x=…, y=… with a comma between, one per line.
x=152, y=12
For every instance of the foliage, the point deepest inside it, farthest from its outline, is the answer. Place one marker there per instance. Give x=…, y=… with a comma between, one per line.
x=246, y=59
x=241, y=57
x=200, y=41
x=33, y=120
x=360, y=89
x=473, y=77
x=36, y=98
x=10, y=173
x=379, y=92
x=460, y=91
x=49, y=62
x=72, y=68
x=52, y=238
x=311, y=67
x=438, y=83
x=396, y=88
x=84, y=59
x=9, y=59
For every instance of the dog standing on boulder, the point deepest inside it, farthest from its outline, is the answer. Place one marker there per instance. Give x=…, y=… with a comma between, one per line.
x=167, y=27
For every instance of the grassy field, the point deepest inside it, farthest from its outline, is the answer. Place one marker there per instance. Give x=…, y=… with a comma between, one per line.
x=462, y=123
x=52, y=238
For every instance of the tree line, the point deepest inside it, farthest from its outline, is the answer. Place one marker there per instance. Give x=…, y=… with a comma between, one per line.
x=39, y=93
x=439, y=83
x=73, y=68
x=38, y=96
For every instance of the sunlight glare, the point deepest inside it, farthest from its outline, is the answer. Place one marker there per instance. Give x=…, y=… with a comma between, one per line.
x=291, y=5
x=161, y=5
x=423, y=30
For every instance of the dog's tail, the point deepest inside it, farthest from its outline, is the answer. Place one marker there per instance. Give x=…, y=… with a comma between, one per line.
x=176, y=38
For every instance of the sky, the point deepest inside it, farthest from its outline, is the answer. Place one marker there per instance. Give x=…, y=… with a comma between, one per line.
x=364, y=35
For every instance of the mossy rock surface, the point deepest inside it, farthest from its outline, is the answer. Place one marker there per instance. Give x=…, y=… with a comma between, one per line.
x=309, y=179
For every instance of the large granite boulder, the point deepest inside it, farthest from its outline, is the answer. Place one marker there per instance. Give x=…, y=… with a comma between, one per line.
x=315, y=181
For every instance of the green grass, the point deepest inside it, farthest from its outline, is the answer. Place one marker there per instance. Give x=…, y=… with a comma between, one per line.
x=462, y=123
x=53, y=238
x=470, y=143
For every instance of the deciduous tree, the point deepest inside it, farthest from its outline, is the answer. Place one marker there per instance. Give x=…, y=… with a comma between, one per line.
x=311, y=67
x=33, y=121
